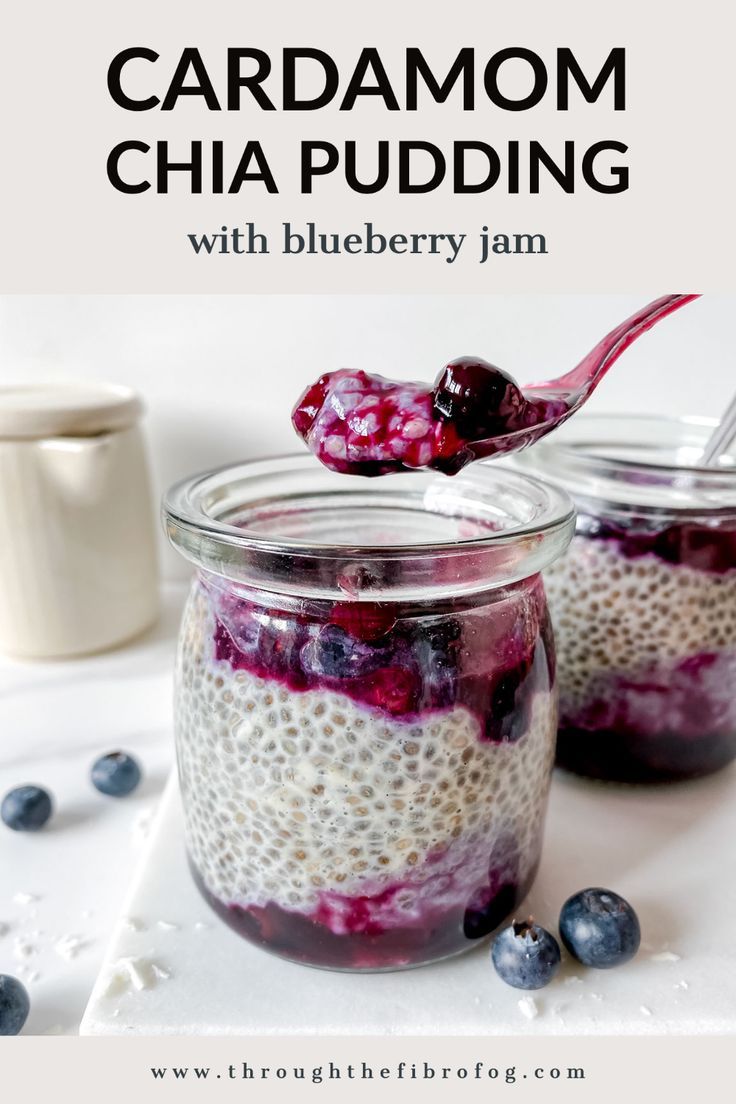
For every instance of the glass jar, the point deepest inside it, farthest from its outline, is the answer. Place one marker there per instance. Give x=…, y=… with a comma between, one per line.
x=644, y=602
x=365, y=704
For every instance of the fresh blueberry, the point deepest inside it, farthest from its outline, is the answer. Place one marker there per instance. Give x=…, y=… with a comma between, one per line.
x=436, y=648
x=487, y=908
x=493, y=902
x=334, y=653
x=507, y=719
x=26, y=809
x=116, y=774
x=14, y=1005
x=479, y=399
x=599, y=928
x=525, y=955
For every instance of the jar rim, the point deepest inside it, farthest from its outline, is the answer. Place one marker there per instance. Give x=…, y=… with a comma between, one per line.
x=287, y=522
x=644, y=462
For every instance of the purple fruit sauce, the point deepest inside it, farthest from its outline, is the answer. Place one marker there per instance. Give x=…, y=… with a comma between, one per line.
x=372, y=932
x=312, y=941
x=490, y=659
x=362, y=424
x=705, y=547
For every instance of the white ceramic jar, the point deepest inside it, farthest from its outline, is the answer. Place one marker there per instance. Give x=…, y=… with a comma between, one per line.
x=78, y=569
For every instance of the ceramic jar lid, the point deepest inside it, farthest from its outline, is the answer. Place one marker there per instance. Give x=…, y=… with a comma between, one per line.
x=73, y=408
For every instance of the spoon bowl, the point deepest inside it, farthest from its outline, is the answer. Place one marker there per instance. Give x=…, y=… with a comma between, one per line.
x=363, y=424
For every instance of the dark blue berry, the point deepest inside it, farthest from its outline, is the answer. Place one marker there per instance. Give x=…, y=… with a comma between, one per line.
x=334, y=653
x=116, y=774
x=436, y=648
x=14, y=1005
x=487, y=909
x=507, y=715
x=599, y=928
x=526, y=955
x=26, y=809
x=331, y=652
x=479, y=399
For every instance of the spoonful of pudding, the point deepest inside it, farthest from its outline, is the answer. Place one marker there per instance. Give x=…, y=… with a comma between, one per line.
x=362, y=424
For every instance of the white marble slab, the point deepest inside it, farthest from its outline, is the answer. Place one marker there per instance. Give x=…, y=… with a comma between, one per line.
x=61, y=889
x=669, y=850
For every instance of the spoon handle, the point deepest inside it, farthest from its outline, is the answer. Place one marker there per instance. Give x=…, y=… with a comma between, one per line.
x=721, y=437
x=591, y=369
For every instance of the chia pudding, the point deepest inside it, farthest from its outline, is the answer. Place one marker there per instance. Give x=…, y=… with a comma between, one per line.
x=644, y=602
x=365, y=731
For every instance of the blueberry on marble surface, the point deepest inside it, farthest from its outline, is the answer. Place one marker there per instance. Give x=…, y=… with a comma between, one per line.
x=116, y=774
x=14, y=1005
x=26, y=808
x=526, y=955
x=599, y=928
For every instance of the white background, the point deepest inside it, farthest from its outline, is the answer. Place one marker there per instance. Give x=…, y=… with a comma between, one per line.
x=220, y=373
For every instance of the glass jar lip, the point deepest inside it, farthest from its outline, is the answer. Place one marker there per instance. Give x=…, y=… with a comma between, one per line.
x=644, y=462
x=239, y=521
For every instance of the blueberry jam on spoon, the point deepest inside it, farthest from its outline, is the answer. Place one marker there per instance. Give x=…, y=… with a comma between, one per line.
x=362, y=424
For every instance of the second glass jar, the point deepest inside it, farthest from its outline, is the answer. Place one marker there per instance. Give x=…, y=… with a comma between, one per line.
x=644, y=601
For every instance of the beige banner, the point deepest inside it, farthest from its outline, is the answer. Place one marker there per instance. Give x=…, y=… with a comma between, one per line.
x=67, y=228
x=470, y=1069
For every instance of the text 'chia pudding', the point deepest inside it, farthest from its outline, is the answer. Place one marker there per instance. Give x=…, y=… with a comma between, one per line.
x=365, y=781
x=644, y=602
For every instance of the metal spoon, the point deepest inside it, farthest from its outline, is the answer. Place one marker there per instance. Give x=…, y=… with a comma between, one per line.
x=721, y=438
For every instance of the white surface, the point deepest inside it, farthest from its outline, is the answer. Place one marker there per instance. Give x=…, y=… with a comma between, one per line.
x=174, y=967
x=219, y=374
x=61, y=889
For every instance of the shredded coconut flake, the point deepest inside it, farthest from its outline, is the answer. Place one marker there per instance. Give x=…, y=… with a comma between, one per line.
x=665, y=956
x=142, y=825
x=134, y=975
x=23, y=898
x=69, y=946
x=528, y=1008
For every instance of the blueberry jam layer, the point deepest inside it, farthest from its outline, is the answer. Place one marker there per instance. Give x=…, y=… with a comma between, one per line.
x=618, y=755
x=645, y=627
x=695, y=544
x=362, y=944
x=362, y=424
x=670, y=720
x=491, y=659
x=347, y=827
